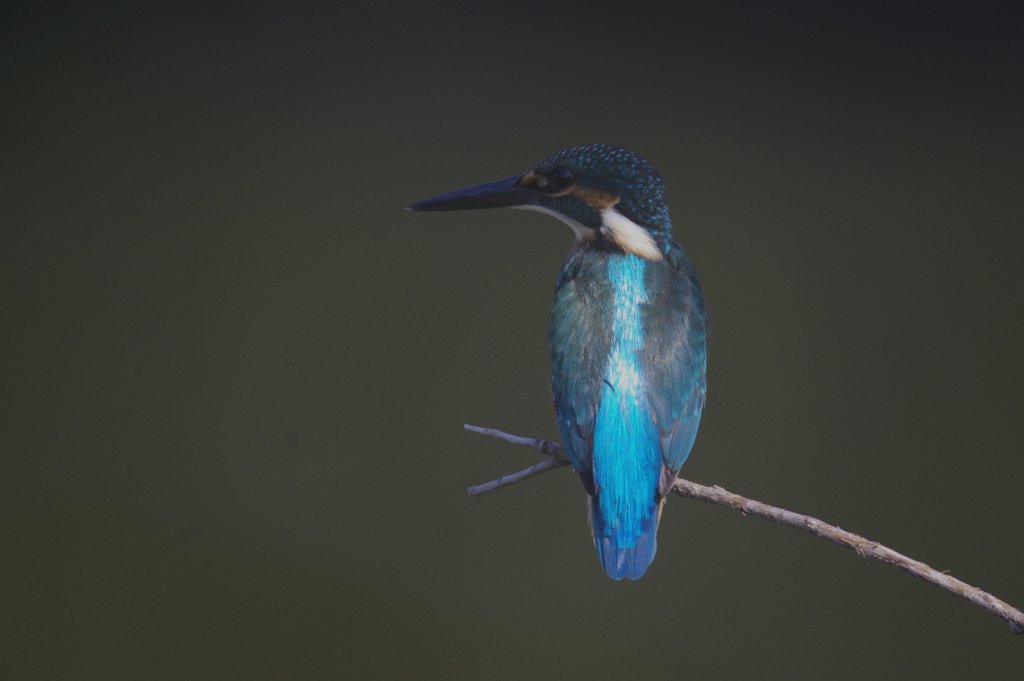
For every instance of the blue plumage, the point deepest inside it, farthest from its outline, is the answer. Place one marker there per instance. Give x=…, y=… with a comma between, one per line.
x=627, y=451
x=627, y=337
x=627, y=435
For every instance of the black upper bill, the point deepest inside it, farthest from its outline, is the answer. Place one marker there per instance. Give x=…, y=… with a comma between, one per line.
x=497, y=194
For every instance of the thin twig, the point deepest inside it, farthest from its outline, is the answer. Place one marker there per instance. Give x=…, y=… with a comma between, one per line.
x=512, y=478
x=721, y=497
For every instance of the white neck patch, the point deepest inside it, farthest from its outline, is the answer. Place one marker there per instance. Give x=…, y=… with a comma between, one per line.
x=628, y=235
x=581, y=230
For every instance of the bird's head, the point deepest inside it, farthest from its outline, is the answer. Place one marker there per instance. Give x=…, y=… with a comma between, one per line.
x=608, y=195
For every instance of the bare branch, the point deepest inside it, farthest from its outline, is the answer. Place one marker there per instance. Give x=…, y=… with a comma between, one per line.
x=721, y=497
x=512, y=478
x=552, y=449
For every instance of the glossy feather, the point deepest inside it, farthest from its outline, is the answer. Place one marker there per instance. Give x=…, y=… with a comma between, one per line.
x=627, y=449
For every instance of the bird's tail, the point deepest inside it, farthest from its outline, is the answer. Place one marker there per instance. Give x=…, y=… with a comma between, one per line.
x=625, y=561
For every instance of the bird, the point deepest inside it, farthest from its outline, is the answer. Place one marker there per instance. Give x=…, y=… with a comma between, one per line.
x=628, y=337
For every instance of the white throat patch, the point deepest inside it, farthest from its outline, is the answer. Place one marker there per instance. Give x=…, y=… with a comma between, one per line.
x=581, y=230
x=629, y=236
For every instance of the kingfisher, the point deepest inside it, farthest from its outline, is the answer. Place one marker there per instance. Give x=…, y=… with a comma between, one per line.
x=627, y=337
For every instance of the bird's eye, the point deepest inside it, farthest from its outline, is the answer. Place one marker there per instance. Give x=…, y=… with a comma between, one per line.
x=555, y=181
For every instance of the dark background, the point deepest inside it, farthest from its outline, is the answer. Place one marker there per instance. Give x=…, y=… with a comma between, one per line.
x=235, y=371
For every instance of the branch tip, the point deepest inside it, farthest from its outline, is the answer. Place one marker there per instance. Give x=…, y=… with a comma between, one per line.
x=719, y=496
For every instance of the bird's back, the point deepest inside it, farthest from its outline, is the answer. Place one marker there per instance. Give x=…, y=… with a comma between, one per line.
x=628, y=376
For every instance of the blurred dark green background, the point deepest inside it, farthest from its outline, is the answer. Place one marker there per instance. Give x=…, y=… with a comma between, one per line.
x=235, y=371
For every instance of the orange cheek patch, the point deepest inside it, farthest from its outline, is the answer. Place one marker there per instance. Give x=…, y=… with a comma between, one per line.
x=595, y=198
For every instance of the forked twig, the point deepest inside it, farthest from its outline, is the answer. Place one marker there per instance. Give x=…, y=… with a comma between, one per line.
x=721, y=497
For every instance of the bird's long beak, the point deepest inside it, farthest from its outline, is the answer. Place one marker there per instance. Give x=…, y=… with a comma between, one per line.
x=497, y=194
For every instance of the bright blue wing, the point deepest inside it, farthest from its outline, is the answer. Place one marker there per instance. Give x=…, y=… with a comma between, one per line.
x=675, y=358
x=580, y=338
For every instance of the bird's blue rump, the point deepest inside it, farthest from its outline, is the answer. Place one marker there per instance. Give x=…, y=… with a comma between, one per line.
x=627, y=459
